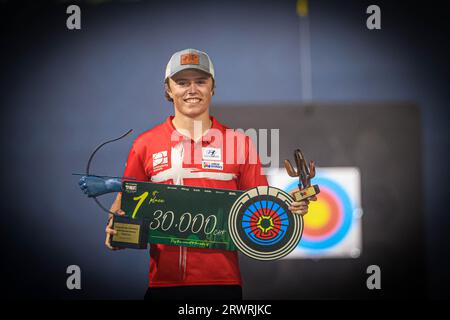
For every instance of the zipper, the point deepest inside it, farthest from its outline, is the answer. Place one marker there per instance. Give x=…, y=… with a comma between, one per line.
x=183, y=276
x=182, y=262
x=180, y=259
x=177, y=162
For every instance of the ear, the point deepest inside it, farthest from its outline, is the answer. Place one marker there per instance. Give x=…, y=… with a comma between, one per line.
x=213, y=89
x=167, y=88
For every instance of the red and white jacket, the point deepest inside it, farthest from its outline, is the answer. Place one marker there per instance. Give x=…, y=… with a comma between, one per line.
x=163, y=155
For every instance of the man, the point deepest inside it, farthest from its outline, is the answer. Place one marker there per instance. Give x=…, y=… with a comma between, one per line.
x=190, y=148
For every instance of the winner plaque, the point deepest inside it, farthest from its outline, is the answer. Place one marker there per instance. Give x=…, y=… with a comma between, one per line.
x=131, y=233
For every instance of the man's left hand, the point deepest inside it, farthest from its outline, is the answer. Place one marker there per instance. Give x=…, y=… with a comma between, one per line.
x=300, y=207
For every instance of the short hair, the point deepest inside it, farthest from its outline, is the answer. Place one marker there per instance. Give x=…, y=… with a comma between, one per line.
x=168, y=98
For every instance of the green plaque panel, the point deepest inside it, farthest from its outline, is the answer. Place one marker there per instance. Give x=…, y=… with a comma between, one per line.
x=182, y=215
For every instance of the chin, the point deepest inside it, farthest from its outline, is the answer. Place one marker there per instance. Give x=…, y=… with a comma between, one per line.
x=194, y=111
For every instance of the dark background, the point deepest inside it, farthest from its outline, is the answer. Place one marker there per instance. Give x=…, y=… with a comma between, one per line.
x=63, y=92
x=375, y=138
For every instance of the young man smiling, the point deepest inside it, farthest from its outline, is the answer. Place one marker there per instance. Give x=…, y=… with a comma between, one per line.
x=177, y=152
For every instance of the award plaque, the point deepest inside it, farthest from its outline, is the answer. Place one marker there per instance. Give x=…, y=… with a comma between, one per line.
x=131, y=233
x=304, y=174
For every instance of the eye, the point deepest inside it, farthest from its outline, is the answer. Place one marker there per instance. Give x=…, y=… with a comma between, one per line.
x=182, y=83
x=201, y=81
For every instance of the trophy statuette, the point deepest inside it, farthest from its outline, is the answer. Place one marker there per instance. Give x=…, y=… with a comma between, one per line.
x=304, y=174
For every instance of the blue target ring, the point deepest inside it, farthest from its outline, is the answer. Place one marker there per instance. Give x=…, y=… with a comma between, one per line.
x=269, y=213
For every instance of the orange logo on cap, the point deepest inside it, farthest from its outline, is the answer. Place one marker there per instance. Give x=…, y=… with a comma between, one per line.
x=190, y=58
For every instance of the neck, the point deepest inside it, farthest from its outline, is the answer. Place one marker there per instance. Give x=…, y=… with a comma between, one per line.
x=191, y=126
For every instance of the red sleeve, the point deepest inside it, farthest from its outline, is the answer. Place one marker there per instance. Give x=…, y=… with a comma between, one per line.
x=134, y=167
x=251, y=172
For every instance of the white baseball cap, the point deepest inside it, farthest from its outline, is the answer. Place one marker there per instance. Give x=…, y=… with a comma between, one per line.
x=189, y=59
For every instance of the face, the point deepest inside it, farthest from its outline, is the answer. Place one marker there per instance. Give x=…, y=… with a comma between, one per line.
x=191, y=91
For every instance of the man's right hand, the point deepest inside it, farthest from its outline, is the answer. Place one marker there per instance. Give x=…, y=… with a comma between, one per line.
x=110, y=231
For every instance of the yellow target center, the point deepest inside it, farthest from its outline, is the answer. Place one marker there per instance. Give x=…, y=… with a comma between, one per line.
x=319, y=214
x=265, y=223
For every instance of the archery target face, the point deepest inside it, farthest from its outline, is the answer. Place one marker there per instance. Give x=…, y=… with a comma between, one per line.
x=332, y=227
x=261, y=225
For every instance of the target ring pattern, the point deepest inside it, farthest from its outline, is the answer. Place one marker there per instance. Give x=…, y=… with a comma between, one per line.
x=261, y=225
x=339, y=221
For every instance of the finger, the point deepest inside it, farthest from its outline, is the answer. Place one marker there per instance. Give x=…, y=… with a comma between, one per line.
x=313, y=198
x=120, y=212
x=301, y=212
x=109, y=246
x=110, y=231
x=108, y=242
x=298, y=207
x=109, y=225
x=300, y=203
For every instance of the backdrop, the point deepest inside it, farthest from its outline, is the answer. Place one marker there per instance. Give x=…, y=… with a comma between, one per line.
x=65, y=91
x=383, y=142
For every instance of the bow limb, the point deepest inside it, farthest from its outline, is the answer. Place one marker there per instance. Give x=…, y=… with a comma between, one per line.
x=88, y=165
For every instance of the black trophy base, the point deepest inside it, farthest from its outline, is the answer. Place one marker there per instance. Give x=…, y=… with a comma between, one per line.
x=131, y=233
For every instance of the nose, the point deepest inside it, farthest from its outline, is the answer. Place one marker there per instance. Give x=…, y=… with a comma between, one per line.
x=192, y=87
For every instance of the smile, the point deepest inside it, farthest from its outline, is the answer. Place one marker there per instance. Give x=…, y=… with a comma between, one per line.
x=193, y=100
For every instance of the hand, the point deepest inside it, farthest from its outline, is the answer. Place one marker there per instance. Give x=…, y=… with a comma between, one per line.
x=110, y=231
x=94, y=186
x=300, y=207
